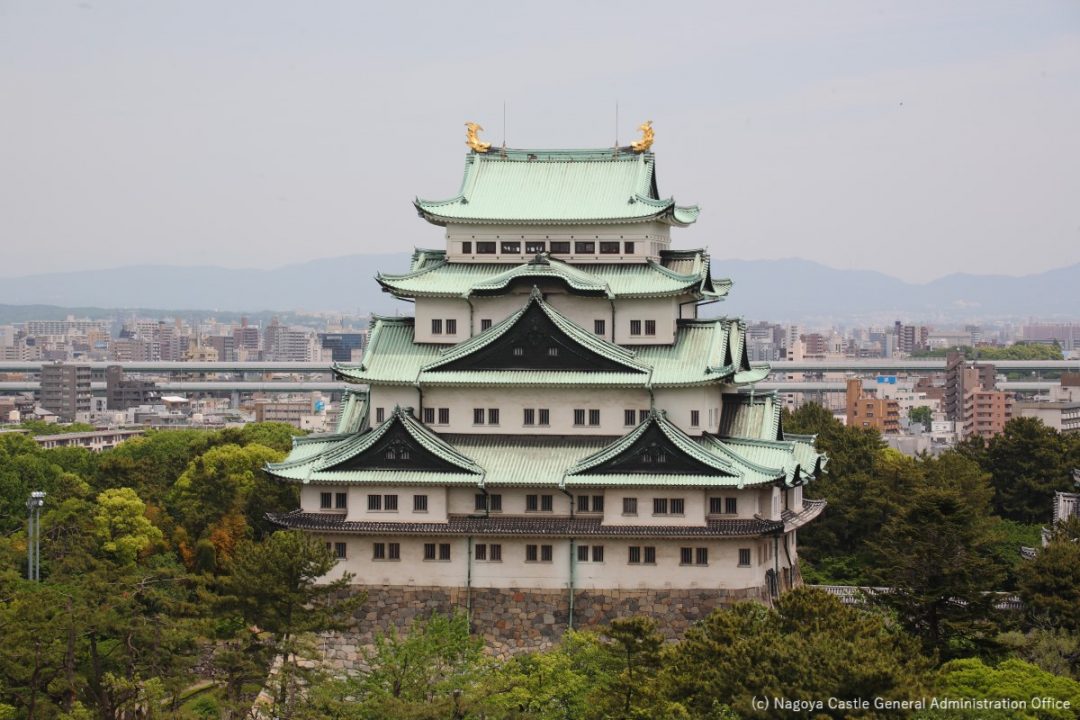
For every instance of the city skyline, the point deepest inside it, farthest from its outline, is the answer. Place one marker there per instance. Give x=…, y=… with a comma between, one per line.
x=855, y=134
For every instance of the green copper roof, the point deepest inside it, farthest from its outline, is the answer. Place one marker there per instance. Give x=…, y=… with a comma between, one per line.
x=557, y=186
x=677, y=273
x=353, y=413
x=751, y=416
x=700, y=355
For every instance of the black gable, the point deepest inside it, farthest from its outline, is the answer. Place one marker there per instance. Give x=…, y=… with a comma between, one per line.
x=655, y=454
x=396, y=450
x=535, y=342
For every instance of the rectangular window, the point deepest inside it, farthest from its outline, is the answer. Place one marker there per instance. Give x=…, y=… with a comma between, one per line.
x=495, y=552
x=393, y=551
x=532, y=503
x=341, y=500
x=695, y=418
x=609, y=248
x=325, y=500
x=594, y=418
x=478, y=416
x=493, y=416
x=444, y=551
x=635, y=327
x=528, y=416
x=628, y=248
x=390, y=502
x=511, y=248
x=686, y=556
x=495, y=503
x=481, y=552
x=429, y=416
x=650, y=327
x=481, y=502
x=374, y=502
x=560, y=246
x=444, y=416
x=378, y=551
x=701, y=556
x=587, y=248
x=485, y=248
x=485, y=323
x=642, y=415
x=339, y=551
x=583, y=553
x=599, y=327
x=545, y=416
x=553, y=351
x=579, y=417
x=419, y=503
x=650, y=555
x=466, y=247
x=731, y=506
x=744, y=557
x=583, y=503
x=429, y=551
x=535, y=247
x=659, y=506
x=380, y=414
x=629, y=506
x=451, y=327
x=598, y=503
x=546, y=504
x=546, y=553
x=436, y=326
x=716, y=505
x=598, y=553
x=629, y=418
x=530, y=553
x=635, y=555
x=678, y=506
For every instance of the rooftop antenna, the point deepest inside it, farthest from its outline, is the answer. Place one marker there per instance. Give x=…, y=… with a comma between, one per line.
x=504, y=130
x=616, y=153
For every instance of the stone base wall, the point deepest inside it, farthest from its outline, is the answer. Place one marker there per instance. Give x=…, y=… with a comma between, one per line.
x=511, y=620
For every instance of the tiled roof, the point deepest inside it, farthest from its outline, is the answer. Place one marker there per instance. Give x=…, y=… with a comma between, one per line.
x=677, y=273
x=811, y=509
x=704, y=352
x=557, y=186
x=353, y=413
x=525, y=526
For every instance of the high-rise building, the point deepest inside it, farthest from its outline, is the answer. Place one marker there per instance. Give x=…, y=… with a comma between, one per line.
x=556, y=420
x=866, y=410
x=66, y=390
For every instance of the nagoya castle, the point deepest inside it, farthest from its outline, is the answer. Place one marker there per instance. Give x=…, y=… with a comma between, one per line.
x=556, y=437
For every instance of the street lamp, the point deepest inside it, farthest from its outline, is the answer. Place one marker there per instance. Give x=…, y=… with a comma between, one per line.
x=33, y=536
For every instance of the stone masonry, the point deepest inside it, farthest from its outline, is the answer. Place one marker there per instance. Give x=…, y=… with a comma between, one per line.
x=512, y=620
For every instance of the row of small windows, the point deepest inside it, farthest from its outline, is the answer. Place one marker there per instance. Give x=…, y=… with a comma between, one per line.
x=556, y=247
x=492, y=552
x=443, y=415
x=635, y=327
x=437, y=325
x=492, y=502
x=583, y=417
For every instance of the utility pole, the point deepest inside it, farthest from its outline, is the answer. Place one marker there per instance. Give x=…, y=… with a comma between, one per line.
x=33, y=536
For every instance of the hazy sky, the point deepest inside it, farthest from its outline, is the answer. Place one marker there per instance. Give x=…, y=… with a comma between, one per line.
x=915, y=138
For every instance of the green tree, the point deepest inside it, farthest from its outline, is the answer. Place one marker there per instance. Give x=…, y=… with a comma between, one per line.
x=632, y=647
x=1011, y=679
x=121, y=526
x=277, y=585
x=1050, y=584
x=1028, y=462
x=808, y=647
x=922, y=415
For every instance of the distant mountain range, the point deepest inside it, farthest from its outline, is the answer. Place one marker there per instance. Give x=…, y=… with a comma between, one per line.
x=793, y=290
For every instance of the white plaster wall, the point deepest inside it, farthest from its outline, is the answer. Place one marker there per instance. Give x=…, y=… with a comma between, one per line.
x=560, y=401
x=678, y=402
x=662, y=310
x=650, y=238
x=615, y=572
x=310, y=500
x=746, y=502
x=694, y=515
x=389, y=396
x=441, y=308
x=463, y=500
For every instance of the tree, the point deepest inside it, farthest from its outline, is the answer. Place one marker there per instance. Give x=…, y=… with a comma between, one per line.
x=1028, y=462
x=808, y=647
x=1012, y=679
x=121, y=526
x=277, y=585
x=1050, y=584
x=922, y=415
x=937, y=556
x=632, y=647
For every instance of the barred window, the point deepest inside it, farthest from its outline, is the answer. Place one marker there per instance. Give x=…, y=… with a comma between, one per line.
x=378, y=551
x=485, y=323
x=629, y=418
x=599, y=327
x=695, y=418
x=594, y=417
x=635, y=327
x=629, y=506
x=493, y=416
x=650, y=555
x=529, y=416
x=436, y=326
x=478, y=416
x=731, y=506
x=545, y=553
x=659, y=506
x=583, y=553
x=686, y=556
x=444, y=416
x=495, y=503
x=374, y=502
x=579, y=417
x=583, y=503
x=444, y=551
x=451, y=326
x=678, y=506
x=532, y=503
x=390, y=502
x=701, y=556
x=481, y=552
x=598, y=553
x=545, y=416
x=394, y=551
x=635, y=555
x=744, y=557
x=341, y=500
x=546, y=503
x=716, y=505
x=530, y=553
x=325, y=500
x=339, y=550
x=429, y=551
x=598, y=503
x=419, y=503
x=429, y=416
x=650, y=327
x=496, y=552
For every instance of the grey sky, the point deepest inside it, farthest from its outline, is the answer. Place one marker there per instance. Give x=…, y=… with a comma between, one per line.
x=915, y=138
